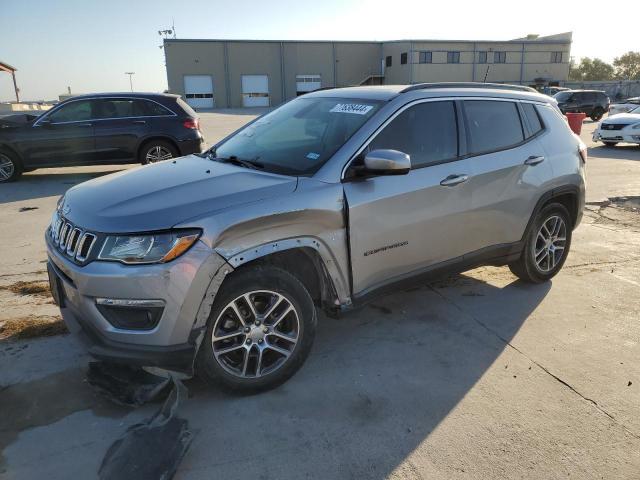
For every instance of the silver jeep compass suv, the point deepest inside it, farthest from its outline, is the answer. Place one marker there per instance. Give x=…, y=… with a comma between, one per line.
x=216, y=263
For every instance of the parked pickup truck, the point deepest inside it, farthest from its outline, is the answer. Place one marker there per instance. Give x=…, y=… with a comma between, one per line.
x=217, y=263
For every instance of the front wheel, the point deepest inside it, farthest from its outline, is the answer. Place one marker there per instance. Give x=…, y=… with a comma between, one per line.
x=157, y=151
x=546, y=246
x=259, y=332
x=610, y=144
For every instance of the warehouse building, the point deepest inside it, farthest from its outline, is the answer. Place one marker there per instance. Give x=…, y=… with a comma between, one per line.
x=261, y=73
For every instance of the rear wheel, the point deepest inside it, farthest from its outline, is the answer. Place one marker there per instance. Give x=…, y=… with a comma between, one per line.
x=597, y=114
x=259, y=332
x=610, y=144
x=10, y=167
x=546, y=247
x=157, y=151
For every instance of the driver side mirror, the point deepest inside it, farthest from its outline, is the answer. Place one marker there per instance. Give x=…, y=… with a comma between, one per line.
x=387, y=162
x=44, y=122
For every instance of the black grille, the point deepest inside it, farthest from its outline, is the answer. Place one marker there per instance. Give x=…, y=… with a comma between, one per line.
x=613, y=126
x=71, y=240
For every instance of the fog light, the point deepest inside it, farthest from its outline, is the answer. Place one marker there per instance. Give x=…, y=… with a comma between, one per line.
x=131, y=314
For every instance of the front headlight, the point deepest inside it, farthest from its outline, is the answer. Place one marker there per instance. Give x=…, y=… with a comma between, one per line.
x=148, y=248
x=636, y=126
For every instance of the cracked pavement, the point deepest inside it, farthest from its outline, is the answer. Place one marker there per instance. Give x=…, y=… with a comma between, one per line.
x=474, y=376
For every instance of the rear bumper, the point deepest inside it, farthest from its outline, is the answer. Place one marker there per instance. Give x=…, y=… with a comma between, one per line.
x=192, y=145
x=616, y=136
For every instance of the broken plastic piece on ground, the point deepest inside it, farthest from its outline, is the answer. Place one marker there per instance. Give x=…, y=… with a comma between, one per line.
x=124, y=385
x=152, y=449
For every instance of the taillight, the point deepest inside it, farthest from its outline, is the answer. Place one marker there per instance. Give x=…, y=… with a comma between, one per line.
x=583, y=152
x=191, y=123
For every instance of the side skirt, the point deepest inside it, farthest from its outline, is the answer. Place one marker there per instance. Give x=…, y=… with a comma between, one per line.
x=496, y=255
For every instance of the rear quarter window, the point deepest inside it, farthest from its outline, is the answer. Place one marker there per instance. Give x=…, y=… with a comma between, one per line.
x=533, y=118
x=492, y=125
x=187, y=109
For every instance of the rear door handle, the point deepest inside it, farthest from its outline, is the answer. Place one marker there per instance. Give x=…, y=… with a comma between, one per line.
x=140, y=122
x=86, y=125
x=453, y=180
x=534, y=160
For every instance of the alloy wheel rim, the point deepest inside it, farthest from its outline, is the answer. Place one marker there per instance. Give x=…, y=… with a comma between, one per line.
x=6, y=168
x=255, y=334
x=157, y=154
x=549, y=247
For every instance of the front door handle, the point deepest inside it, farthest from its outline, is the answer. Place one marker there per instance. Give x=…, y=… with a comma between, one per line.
x=86, y=125
x=453, y=180
x=534, y=160
x=139, y=122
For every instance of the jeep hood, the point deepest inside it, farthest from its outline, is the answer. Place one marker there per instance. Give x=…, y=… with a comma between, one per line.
x=159, y=196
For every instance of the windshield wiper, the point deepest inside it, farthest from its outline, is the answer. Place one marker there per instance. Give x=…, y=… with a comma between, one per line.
x=253, y=164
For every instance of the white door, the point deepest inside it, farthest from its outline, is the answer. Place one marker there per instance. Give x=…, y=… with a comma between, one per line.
x=307, y=83
x=198, y=91
x=255, y=91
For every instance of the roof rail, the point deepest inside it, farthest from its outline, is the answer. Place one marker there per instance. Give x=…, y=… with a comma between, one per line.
x=500, y=86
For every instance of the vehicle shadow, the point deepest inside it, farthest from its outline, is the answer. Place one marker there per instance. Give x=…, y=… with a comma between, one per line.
x=49, y=182
x=623, y=151
x=376, y=385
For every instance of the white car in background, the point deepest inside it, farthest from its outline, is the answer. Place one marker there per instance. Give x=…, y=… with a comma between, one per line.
x=624, y=107
x=623, y=127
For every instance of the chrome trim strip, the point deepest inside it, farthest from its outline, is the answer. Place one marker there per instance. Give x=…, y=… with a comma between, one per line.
x=83, y=240
x=129, y=302
x=72, y=241
x=59, y=106
x=64, y=233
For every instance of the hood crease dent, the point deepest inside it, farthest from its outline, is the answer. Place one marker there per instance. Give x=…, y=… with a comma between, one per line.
x=161, y=195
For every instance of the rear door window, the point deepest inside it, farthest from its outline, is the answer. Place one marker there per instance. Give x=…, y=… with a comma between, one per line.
x=492, y=125
x=427, y=132
x=112, y=108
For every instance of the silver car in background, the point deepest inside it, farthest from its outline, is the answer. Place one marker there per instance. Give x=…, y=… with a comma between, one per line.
x=217, y=263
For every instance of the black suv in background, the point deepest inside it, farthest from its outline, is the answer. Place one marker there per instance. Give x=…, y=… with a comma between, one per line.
x=593, y=103
x=106, y=128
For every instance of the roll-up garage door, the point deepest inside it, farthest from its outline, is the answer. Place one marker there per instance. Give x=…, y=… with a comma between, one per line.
x=255, y=91
x=307, y=83
x=198, y=91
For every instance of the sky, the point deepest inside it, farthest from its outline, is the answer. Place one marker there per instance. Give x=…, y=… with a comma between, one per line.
x=89, y=44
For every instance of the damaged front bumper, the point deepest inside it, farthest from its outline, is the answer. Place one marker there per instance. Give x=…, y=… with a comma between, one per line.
x=143, y=315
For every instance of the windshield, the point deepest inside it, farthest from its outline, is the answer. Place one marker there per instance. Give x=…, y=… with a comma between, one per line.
x=562, y=96
x=300, y=136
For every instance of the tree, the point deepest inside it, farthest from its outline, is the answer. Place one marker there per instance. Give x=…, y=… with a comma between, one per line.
x=591, y=69
x=628, y=66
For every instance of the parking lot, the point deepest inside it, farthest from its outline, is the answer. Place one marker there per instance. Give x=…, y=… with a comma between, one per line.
x=474, y=376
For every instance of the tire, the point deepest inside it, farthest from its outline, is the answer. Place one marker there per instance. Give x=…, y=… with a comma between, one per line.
x=526, y=267
x=610, y=144
x=157, y=150
x=10, y=167
x=597, y=114
x=247, y=359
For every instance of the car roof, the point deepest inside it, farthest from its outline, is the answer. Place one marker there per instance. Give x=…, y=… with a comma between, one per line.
x=149, y=95
x=432, y=90
x=581, y=90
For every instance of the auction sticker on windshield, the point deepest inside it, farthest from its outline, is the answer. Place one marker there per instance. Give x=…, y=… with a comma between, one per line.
x=351, y=108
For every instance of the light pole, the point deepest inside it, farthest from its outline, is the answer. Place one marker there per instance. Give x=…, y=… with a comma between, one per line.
x=131, y=74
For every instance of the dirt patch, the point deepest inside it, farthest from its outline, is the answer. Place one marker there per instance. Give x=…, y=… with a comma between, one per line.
x=31, y=327
x=39, y=288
